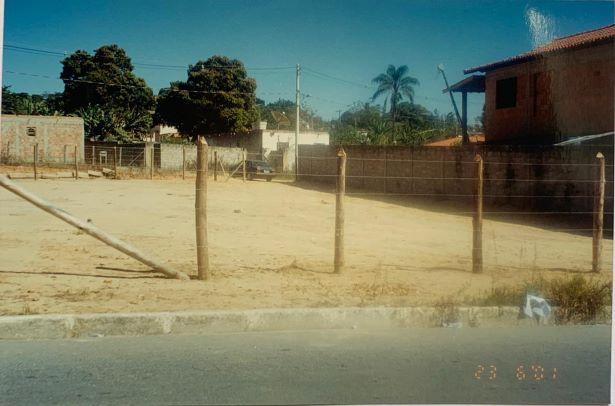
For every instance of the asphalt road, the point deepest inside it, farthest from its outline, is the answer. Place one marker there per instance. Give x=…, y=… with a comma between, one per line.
x=340, y=366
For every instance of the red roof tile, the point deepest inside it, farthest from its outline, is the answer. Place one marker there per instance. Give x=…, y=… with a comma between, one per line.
x=572, y=41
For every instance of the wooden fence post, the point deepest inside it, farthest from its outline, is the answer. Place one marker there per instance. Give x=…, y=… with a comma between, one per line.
x=114, y=162
x=8, y=152
x=477, y=221
x=151, y=161
x=412, y=189
x=120, y=163
x=76, y=163
x=244, y=164
x=215, y=165
x=34, y=160
x=93, y=155
x=598, y=215
x=338, y=259
x=183, y=162
x=443, y=179
x=385, y=169
x=202, y=256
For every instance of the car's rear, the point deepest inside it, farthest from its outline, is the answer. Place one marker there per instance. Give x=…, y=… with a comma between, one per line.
x=260, y=170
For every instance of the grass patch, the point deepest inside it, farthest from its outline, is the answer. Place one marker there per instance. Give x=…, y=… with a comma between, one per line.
x=578, y=299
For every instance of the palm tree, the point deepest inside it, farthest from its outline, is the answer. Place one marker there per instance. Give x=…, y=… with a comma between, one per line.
x=396, y=84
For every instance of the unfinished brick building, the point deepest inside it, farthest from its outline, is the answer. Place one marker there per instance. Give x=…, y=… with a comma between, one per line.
x=559, y=90
x=56, y=137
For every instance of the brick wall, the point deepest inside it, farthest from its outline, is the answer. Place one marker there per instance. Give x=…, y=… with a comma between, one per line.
x=172, y=155
x=56, y=137
x=553, y=178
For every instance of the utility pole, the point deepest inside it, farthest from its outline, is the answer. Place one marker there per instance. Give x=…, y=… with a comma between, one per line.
x=297, y=107
x=450, y=93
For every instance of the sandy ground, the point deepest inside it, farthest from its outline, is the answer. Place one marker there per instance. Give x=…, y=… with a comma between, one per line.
x=271, y=245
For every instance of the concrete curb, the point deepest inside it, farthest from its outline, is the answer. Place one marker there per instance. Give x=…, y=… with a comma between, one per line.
x=133, y=324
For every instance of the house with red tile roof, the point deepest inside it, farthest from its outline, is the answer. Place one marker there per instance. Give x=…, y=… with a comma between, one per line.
x=557, y=91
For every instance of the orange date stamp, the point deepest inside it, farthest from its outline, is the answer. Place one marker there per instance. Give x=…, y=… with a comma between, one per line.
x=532, y=372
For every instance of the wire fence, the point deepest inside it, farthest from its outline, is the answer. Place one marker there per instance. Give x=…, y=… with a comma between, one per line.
x=467, y=188
x=147, y=160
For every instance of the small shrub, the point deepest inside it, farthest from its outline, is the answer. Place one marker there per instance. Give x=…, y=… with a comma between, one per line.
x=501, y=296
x=511, y=295
x=578, y=300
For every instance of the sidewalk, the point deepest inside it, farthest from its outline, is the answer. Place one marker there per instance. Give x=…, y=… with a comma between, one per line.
x=131, y=324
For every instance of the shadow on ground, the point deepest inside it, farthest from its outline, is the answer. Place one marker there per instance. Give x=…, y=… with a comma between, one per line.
x=574, y=223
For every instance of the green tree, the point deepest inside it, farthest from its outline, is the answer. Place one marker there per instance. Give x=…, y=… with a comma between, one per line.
x=112, y=124
x=29, y=104
x=415, y=116
x=106, y=80
x=395, y=84
x=281, y=115
x=360, y=115
x=218, y=97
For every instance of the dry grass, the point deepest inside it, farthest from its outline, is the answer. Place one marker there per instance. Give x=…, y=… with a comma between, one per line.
x=578, y=299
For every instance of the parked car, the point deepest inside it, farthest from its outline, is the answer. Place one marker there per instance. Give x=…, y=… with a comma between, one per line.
x=259, y=170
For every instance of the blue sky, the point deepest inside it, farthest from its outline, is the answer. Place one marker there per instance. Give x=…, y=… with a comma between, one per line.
x=354, y=40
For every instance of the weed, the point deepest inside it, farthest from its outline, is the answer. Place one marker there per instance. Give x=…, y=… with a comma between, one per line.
x=26, y=310
x=447, y=311
x=578, y=300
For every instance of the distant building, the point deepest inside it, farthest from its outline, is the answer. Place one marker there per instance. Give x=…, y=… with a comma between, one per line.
x=160, y=132
x=56, y=137
x=263, y=143
x=559, y=90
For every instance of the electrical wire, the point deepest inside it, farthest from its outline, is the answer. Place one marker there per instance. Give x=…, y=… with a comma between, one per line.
x=40, y=51
x=139, y=86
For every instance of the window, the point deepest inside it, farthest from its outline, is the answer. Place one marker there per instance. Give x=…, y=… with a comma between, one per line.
x=506, y=93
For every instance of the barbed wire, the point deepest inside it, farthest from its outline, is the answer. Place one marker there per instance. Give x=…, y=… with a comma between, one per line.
x=451, y=178
x=317, y=158
x=470, y=195
x=451, y=161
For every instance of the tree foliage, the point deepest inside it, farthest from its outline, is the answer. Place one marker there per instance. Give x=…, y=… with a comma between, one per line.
x=112, y=124
x=104, y=85
x=414, y=125
x=30, y=104
x=361, y=115
x=395, y=84
x=217, y=97
x=281, y=115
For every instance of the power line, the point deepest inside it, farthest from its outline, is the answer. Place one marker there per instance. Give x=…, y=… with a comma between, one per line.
x=328, y=100
x=315, y=73
x=32, y=50
x=321, y=75
x=146, y=65
x=137, y=86
x=41, y=51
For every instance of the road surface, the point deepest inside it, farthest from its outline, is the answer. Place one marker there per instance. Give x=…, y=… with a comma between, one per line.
x=515, y=365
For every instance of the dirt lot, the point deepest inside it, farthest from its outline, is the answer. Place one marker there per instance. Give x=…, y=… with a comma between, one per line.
x=271, y=245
